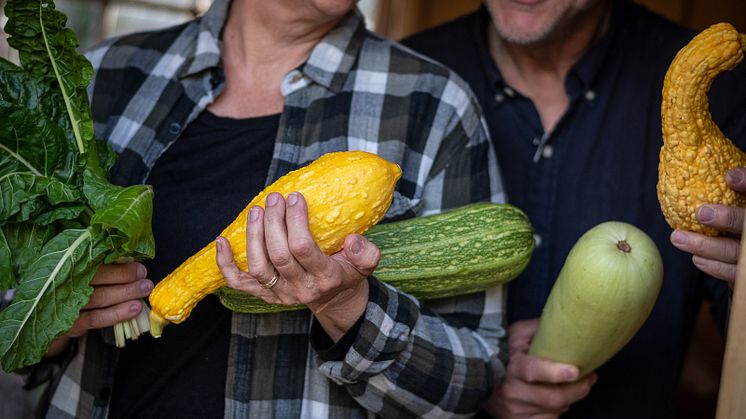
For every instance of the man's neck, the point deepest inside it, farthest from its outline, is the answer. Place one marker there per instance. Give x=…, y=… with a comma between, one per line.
x=539, y=70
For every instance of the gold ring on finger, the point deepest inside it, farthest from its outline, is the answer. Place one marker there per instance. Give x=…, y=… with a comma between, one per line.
x=271, y=283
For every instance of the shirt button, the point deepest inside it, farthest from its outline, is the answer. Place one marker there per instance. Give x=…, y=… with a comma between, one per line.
x=590, y=95
x=537, y=240
x=174, y=128
x=508, y=91
x=547, y=152
x=499, y=97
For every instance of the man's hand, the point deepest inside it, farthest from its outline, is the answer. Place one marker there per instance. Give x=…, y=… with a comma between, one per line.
x=117, y=293
x=717, y=256
x=534, y=387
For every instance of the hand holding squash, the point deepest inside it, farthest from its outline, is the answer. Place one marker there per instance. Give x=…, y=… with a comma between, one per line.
x=717, y=256
x=696, y=155
x=286, y=266
x=535, y=386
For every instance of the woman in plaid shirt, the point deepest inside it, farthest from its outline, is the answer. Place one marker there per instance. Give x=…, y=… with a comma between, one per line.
x=309, y=74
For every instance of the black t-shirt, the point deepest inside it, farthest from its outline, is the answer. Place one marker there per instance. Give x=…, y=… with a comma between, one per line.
x=201, y=183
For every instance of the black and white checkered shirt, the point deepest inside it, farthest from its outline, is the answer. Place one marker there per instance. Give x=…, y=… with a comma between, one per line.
x=355, y=91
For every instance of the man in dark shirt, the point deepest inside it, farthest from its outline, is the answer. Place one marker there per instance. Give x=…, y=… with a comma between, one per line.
x=571, y=91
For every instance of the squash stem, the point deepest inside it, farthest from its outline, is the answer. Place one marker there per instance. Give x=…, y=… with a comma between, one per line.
x=623, y=246
x=157, y=323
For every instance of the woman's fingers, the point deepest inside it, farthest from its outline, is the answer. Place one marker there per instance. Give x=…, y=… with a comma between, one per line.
x=104, y=317
x=109, y=295
x=122, y=273
x=276, y=239
x=235, y=277
x=301, y=243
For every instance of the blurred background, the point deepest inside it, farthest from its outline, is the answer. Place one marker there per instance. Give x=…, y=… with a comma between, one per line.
x=94, y=20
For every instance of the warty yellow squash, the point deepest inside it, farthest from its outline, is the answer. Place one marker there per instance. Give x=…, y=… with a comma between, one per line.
x=696, y=155
x=347, y=193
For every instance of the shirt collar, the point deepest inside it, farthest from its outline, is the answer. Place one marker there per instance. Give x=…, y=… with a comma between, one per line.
x=206, y=53
x=332, y=59
x=584, y=71
x=328, y=65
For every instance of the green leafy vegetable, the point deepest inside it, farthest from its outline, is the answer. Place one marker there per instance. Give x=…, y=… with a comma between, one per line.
x=60, y=218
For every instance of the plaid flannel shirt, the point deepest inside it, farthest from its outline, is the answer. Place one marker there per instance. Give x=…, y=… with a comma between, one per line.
x=355, y=91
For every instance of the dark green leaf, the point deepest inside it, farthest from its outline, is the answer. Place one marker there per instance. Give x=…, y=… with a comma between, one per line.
x=48, y=51
x=122, y=212
x=20, y=244
x=49, y=297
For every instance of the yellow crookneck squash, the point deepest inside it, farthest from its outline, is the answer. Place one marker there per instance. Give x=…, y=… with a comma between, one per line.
x=696, y=155
x=347, y=193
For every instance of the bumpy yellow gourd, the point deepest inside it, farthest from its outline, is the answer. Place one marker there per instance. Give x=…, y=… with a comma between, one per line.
x=696, y=155
x=347, y=192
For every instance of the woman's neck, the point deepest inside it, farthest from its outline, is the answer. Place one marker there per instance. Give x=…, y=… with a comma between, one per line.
x=262, y=42
x=260, y=32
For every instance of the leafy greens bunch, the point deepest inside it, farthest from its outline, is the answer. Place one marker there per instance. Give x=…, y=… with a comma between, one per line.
x=60, y=218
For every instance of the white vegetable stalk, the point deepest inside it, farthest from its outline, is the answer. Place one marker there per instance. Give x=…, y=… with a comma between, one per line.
x=133, y=328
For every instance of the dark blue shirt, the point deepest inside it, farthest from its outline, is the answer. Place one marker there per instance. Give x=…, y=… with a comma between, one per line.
x=600, y=163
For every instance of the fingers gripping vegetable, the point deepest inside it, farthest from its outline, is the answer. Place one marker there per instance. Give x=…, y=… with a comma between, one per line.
x=696, y=155
x=346, y=192
x=604, y=292
x=457, y=252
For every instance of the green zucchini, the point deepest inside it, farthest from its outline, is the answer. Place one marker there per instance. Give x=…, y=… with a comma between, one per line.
x=457, y=252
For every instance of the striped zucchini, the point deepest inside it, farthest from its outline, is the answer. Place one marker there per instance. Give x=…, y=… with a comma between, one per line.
x=457, y=252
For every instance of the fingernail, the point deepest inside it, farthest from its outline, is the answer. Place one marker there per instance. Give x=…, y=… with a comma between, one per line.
x=698, y=262
x=135, y=308
x=293, y=198
x=734, y=177
x=356, y=247
x=705, y=214
x=253, y=214
x=146, y=285
x=570, y=374
x=218, y=244
x=679, y=237
x=142, y=272
x=272, y=199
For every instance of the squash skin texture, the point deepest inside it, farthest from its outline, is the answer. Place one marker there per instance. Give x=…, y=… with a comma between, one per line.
x=601, y=298
x=347, y=193
x=696, y=155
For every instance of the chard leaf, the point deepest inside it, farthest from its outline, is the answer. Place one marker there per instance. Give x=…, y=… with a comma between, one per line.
x=7, y=276
x=37, y=163
x=20, y=244
x=53, y=289
x=48, y=51
x=124, y=213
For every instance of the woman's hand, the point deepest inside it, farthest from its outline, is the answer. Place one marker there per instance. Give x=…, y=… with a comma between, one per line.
x=286, y=266
x=117, y=293
x=717, y=256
